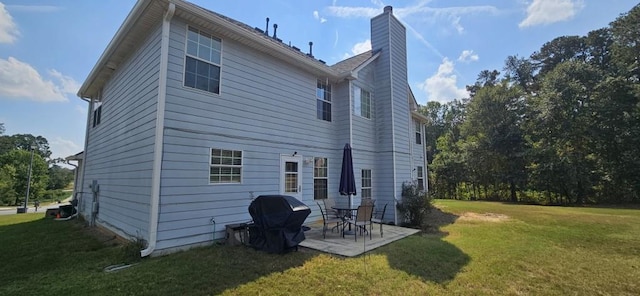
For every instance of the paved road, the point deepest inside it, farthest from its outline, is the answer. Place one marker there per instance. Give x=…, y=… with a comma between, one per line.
x=42, y=209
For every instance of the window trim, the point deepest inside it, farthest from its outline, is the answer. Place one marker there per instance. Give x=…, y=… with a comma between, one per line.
x=184, y=65
x=97, y=113
x=241, y=166
x=364, y=188
x=325, y=177
x=357, y=105
x=328, y=89
x=418, y=128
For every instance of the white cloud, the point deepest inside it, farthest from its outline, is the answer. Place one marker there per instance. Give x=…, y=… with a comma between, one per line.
x=359, y=48
x=442, y=85
x=61, y=148
x=456, y=24
x=81, y=109
x=468, y=56
x=21, y=80
x=316, y=15
x=68, y=84
x=8, y=29
x=348, y=12
x=452, y=15
x=34, y=8
x=543, y=12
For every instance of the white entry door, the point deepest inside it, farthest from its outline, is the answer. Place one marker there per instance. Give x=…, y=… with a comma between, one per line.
x=291, y=176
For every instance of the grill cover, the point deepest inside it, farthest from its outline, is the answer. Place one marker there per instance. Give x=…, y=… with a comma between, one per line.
x=277, y=223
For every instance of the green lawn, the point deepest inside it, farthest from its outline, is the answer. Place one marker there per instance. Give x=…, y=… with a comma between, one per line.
x=482, y=248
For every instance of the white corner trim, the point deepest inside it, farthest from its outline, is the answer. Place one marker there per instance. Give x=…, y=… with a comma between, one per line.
x=159, y=136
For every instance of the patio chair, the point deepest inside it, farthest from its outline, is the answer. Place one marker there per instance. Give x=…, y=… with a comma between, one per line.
x=361, y=220
x=367, y=202
x=328, y=220
x=329, y=204
x=378, y=217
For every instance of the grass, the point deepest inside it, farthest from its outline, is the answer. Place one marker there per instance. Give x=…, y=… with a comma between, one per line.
x=531, y=250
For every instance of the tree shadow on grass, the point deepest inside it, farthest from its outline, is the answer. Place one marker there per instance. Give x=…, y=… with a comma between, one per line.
x=427, y=255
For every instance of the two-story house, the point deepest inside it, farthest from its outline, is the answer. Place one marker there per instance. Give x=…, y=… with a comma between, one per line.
x=193, y=114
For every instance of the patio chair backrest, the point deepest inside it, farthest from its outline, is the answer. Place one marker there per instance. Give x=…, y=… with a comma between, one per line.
x=364, y=213
x=329, y=203
x=367, y=202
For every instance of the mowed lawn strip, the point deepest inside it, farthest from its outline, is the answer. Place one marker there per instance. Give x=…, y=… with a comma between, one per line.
x=488, y=249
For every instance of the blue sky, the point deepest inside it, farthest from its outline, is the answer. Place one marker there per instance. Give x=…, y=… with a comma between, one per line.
x=47, y=48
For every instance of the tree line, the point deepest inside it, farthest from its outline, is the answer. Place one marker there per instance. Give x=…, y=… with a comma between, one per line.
x=561, y=126
x=47, y=177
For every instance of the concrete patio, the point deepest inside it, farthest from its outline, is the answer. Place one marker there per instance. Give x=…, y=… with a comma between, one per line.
x=347, y=246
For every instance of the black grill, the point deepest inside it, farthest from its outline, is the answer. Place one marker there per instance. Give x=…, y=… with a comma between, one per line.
x=277, y=223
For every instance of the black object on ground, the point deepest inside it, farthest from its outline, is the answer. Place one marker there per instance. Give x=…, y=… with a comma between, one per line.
x=277, y=223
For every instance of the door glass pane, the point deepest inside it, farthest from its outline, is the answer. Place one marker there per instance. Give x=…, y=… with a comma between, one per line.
x=291, y=167
x=291, y=182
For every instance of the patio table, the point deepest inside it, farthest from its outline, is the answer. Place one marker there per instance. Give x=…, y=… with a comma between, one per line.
x=345, y=212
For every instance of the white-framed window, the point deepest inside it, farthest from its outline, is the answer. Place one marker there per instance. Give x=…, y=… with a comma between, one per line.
x=365, y=190
x=361, y=102
x=323, y=98
x=202, y=61
x=418, y=132
x=320, y=178
x=420, y=178
x=226, y=166
x=97, y=113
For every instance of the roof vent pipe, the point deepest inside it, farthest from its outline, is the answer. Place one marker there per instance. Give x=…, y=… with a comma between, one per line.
x=310, y=49
x=275, y=28
x=266, y=32
x=388, y=9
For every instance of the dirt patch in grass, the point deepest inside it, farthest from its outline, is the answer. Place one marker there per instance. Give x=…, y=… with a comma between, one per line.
x=485, y=217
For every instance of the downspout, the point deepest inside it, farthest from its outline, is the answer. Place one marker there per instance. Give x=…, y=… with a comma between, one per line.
x=159, y=136
x=424, y=151
x=86, y=145
x=350, y=90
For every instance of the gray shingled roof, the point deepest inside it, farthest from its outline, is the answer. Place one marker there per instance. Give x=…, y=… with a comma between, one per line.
x=351, y=63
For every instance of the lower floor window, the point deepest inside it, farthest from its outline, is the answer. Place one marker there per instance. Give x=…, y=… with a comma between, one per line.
x=366, y=183
x=226, y=166
x=320, y=180
x=420, y=178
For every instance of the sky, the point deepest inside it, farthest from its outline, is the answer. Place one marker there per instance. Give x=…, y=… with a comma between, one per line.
x=47, y=48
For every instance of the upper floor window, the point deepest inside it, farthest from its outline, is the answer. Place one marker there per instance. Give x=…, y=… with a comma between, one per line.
x=323, y=96
x=202, y=61
x=366, y=184
x=226, y=166
x=361, y=102
x=320, y=178
x=97, y=113
x=418, y=133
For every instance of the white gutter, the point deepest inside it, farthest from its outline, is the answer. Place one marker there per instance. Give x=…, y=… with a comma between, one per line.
x=159, y=136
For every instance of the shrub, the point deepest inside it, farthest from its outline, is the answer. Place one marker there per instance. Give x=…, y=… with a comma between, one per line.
x=414, y=205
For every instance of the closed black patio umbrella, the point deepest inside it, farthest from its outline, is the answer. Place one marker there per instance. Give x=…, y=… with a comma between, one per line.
x=347, y=180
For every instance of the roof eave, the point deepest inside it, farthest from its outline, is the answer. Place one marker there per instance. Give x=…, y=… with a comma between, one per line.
x=103, y=61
